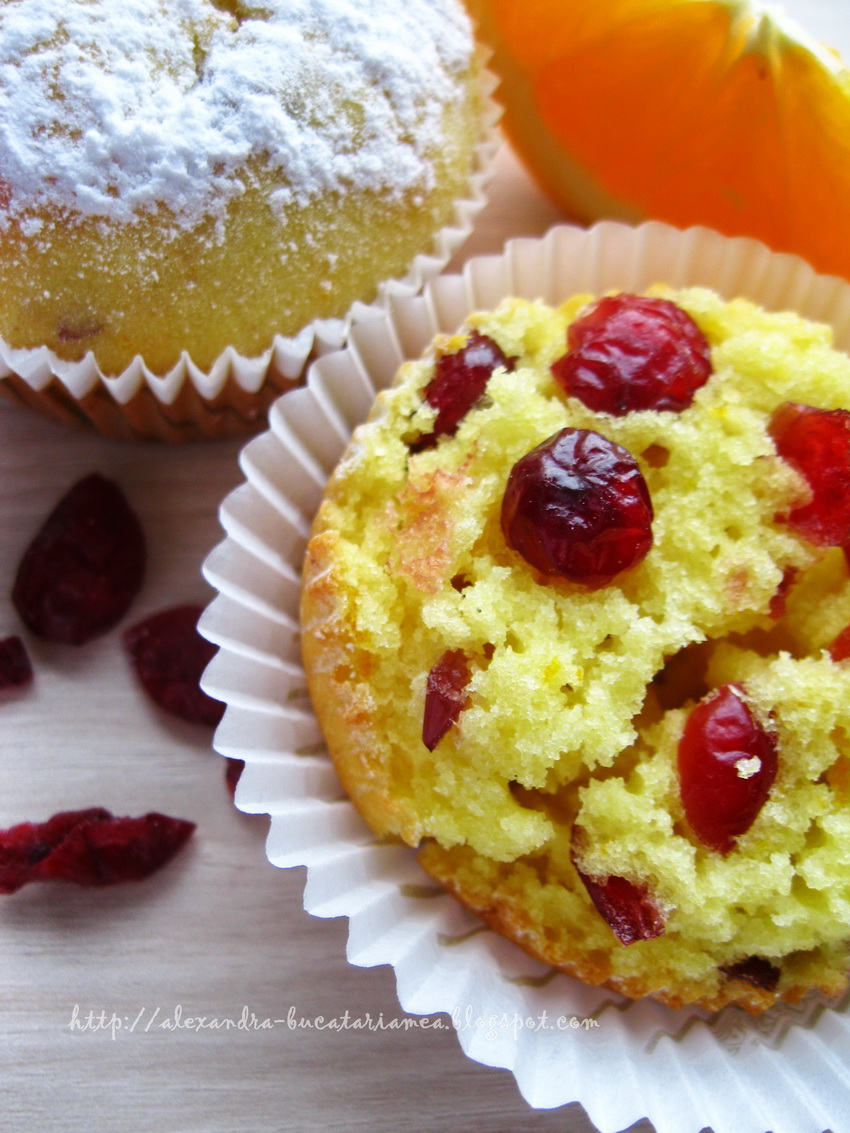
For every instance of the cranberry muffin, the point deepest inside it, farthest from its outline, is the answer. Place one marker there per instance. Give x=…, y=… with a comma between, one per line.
x=574, y=622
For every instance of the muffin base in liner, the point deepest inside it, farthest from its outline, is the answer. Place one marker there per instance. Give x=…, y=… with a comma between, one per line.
x=787, y=1071
x=233, y=397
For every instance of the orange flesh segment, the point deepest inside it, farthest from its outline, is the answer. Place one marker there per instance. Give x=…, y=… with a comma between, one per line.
x=671, y=111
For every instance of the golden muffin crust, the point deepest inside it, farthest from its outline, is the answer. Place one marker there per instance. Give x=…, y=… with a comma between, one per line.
x=562, y=763
x=187, y=175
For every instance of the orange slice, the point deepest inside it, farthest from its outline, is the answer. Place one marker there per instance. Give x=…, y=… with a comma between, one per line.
x=715, y=112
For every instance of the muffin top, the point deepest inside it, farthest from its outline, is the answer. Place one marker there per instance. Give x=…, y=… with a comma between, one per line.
x=112, y=108
x=410, y=563
x=180, y=177
x=581, y=630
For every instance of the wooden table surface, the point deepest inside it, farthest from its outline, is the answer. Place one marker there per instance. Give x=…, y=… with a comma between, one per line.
x=205, y=998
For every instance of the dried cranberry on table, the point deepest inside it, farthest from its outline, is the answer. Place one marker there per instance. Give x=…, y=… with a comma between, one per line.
x=85, y=566
x=578, y=507
x=233, y=773
x=445, y=696
x=169, y=657
x=15, y=664
x=727, y=764
x=89, y=847
x=628, y=352
x=458, y=383
x=24, y=847
x=816, y=443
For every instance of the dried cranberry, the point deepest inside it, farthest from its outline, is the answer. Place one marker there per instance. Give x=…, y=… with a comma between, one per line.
x=24, y=847
x=754, y=970
x=15, y=665
x=727, y=764
x=233, y=773
x=445, y=696
x=78, y=329
x=84, y=567
x=840, y=648
x=779, y=601
x=816, y=443
x=577, y=506
x=89, y=847
x=117, y=849
x=169, y=656
x=628, y=353
x=626, y=907
x=458, y=383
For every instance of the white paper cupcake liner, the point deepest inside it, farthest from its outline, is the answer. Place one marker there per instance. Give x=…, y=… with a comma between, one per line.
x=788, y=1071
x=232, y=397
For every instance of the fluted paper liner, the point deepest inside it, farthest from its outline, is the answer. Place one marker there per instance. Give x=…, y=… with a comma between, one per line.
x=233, y=397
x=787, y=1071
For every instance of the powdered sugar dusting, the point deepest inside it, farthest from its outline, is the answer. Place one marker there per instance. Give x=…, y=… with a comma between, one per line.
x=109, y=108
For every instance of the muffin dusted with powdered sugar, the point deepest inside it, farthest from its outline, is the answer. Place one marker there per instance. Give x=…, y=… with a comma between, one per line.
x=574, y=621
x=180, y=177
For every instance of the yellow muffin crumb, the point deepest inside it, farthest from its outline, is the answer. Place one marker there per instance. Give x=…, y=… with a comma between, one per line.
x=565, y=752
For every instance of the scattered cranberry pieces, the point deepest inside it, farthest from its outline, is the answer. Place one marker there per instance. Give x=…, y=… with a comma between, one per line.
x=169, y=656
x=459, y=382
x=625, y=906
x=578, y=507
x=15, y=665
x=89, y=847
x=85, y=566
x=727, y=764
x=445, y=696
x=816, y=443
x=754, y=970
x=626, y=353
